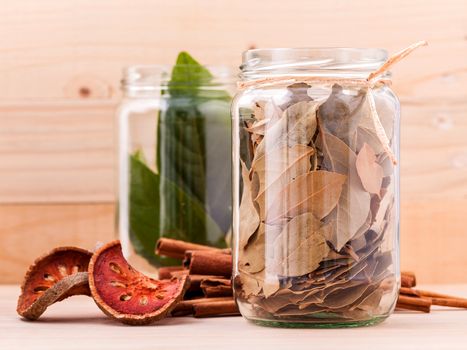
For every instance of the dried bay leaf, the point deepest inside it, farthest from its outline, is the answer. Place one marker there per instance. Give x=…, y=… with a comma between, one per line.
x=276, y=169
x=368, y=136
x=359, y=242
x=290, y=161
x=280, y=299
x=255, y=255
x=354, y=203
x=367, y=132
x=388, y=167
x=370, y=172
x=270, y=285
x=370, y=302
x=258, y=127
x=250, y=284
x=316, y=192
x=344, y=297
x=260, y=283
x=297, y=92
x=265, y=113
x=384, y=206
x=301, y=246
x=371, y=128
x=296, y=126
x=258, y=110
x=252, y=257
x=249, y=217
x=366, y=225
x=340, y=114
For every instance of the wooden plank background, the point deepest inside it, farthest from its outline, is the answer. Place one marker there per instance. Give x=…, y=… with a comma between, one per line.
x=60, y=66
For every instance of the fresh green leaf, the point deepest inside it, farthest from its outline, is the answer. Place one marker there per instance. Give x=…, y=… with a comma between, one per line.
x=181, y=216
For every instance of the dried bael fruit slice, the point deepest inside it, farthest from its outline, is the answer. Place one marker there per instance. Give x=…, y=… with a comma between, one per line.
x=126, y=294
x=53, y=277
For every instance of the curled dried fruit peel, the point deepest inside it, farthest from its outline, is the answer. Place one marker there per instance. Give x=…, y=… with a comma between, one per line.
x=53, y=277
x=127, y=295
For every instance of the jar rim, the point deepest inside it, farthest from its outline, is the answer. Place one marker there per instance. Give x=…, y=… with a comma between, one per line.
x=340, y=61
x=157, y=76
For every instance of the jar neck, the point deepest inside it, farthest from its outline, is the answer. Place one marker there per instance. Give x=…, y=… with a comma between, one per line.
x=154, y=80
x=352, y=63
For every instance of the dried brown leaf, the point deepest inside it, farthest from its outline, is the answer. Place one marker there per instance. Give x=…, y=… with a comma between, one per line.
x=354, y=203
x=254, y=256
x=341, y=113
x=370, y=172
x=276, y=169
x=316, y=192
x=367, y=132
x=301, y=246
x=296, y=126
x=249, y=217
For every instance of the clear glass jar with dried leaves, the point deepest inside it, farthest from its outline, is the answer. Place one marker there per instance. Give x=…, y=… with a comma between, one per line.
x=316, y=188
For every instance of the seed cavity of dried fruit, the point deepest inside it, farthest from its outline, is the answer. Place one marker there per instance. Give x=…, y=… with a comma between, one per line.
x=49, y=277
x=143, y=300
x=40, y=289
x=118, y=284
x=115, y=268
x=125, y=297
x=62, y=270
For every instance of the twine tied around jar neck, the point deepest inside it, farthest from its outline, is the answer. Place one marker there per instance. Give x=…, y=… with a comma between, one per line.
x=374, y=79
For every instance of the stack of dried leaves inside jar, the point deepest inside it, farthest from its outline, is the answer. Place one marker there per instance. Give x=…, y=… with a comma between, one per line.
x=316, y=193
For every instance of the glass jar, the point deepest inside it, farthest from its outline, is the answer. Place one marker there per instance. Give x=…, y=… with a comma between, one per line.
x=315, y=188
x=174, y=161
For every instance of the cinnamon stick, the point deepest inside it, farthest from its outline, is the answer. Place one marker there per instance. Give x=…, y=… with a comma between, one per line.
x=216, y=287
x=195, y=280
x=425, y=293
x=208, y=263
x=185, y=307
x=435, y=298
x=403, y=299
x=413, y=303
x=408, y=279
x=176, y=249
x=408, y=291
x=412, y=307
x=452, y=302
x=218, y=308
x=165, y=272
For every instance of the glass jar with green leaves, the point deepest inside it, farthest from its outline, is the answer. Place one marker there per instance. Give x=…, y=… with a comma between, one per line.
x=174, y=158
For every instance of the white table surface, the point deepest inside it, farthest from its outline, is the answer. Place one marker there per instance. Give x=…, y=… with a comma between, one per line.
x=77, y=323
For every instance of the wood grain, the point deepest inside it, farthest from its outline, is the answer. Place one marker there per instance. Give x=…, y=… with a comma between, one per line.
x=61, y=152
x=433, y=151
x=64, y=324
x=28, y=231
x=57, y=49
x=60, y=67
x=433, y=240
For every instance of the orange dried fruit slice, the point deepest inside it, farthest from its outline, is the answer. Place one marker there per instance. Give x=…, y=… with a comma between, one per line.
x=127, y=295
x=53, y=277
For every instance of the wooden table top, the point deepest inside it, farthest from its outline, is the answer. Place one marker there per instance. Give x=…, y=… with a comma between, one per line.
x=77, y=323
